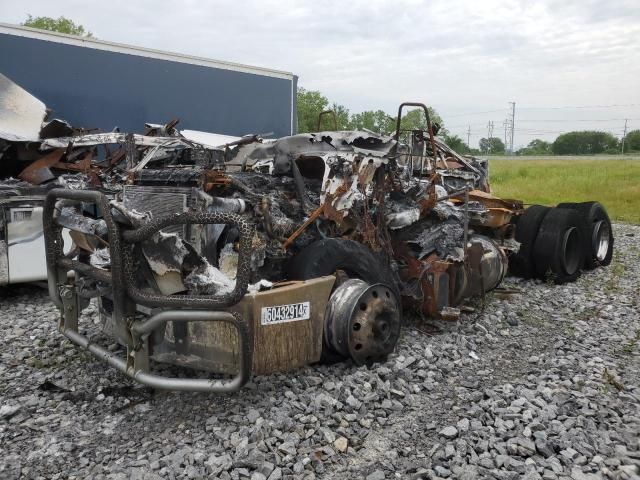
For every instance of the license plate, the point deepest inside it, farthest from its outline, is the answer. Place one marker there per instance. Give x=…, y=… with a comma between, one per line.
x=285, y=313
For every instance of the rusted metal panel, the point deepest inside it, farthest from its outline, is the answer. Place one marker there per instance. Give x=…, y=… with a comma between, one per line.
x=40, y=171
x=278, y=346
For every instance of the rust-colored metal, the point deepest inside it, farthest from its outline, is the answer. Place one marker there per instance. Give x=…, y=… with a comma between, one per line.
x=490, y=201
x=497, y=217
x=453, y=164
x=214, y=178
x=431, y=284
x=39, y=171
x=366, y=173
x=429, y=272
x=312, y=218
x=115, y=158
x=330, y=212
x=83, y=165
x=368, y=229
x=499, y=210
x=171, y=125
x=429, y=201
x=414, y=266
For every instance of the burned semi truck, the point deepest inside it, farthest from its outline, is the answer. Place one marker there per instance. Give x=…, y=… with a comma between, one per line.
x=266, y=255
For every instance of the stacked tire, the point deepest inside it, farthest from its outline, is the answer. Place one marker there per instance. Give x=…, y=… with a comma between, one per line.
x=559, y=243
x=598, y=234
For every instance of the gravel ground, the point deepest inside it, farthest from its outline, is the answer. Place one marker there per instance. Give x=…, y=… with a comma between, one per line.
x=542, y=384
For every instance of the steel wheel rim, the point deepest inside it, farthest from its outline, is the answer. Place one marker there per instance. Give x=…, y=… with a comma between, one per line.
x=600, y=240
x=362, y=321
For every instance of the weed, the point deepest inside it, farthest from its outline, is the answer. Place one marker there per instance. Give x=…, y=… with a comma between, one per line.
x=587, y=314
x=612, y=380
x=570, y=330
x=633, y=343
x=529, y=317
x=616, y=272
x=35, y=362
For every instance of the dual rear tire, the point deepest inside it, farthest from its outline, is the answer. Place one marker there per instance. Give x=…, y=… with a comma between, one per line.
x=559, y=248
x=558, y=243
x=597, y=233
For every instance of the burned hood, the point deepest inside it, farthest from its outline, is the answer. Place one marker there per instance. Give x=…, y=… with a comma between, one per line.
x=280, y=152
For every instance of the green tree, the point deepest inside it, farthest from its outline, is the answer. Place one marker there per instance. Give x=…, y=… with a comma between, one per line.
x=632, y=141
x=584, y=143
x=416, y=120
x=491, y=145
x=536, y=147
x=342, y=117
x=377, y=121
x=455, y=143
x=310, y=104
x=60, y=24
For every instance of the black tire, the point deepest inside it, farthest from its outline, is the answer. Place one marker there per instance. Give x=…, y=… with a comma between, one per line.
x=521, y=264
x=559, y=246
x=327, y=256
x=596, y=225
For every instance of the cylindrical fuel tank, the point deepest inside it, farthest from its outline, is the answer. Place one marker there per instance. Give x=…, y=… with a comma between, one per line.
x=488, y=268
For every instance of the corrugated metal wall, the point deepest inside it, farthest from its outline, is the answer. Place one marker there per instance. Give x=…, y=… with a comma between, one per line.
x=102, y=89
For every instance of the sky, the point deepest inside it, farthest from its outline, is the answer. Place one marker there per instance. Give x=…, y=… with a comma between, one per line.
x=568, y=65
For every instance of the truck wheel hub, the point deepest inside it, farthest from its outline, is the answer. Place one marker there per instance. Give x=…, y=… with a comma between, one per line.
x=362, y=321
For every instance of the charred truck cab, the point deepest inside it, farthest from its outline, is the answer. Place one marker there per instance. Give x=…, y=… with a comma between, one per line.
x=265, y=255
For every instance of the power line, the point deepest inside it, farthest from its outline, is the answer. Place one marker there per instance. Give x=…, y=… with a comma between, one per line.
x=506, y=127
x=474, y=113
x=513, y=124
x=582, y=106
x=581, y=120
x=479, y=125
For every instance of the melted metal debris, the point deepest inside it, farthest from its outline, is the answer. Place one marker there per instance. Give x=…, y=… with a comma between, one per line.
x=76, y=181
x=165, y=252
x=260, y=286
x=101, y=258
x=72, y=219
x=208, y=280
x=445, y=238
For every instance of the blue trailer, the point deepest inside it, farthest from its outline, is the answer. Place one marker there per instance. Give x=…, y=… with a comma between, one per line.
x=97, y=84
x=93, y=84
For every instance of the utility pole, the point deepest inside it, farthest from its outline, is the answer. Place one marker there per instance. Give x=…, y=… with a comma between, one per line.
x=490, y=129
x=468, y=138
x=513, y=125
x=624, y=135
x=489, y=133
x=506, y=125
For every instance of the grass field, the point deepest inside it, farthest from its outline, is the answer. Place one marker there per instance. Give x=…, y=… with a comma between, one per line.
x=612, y=181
